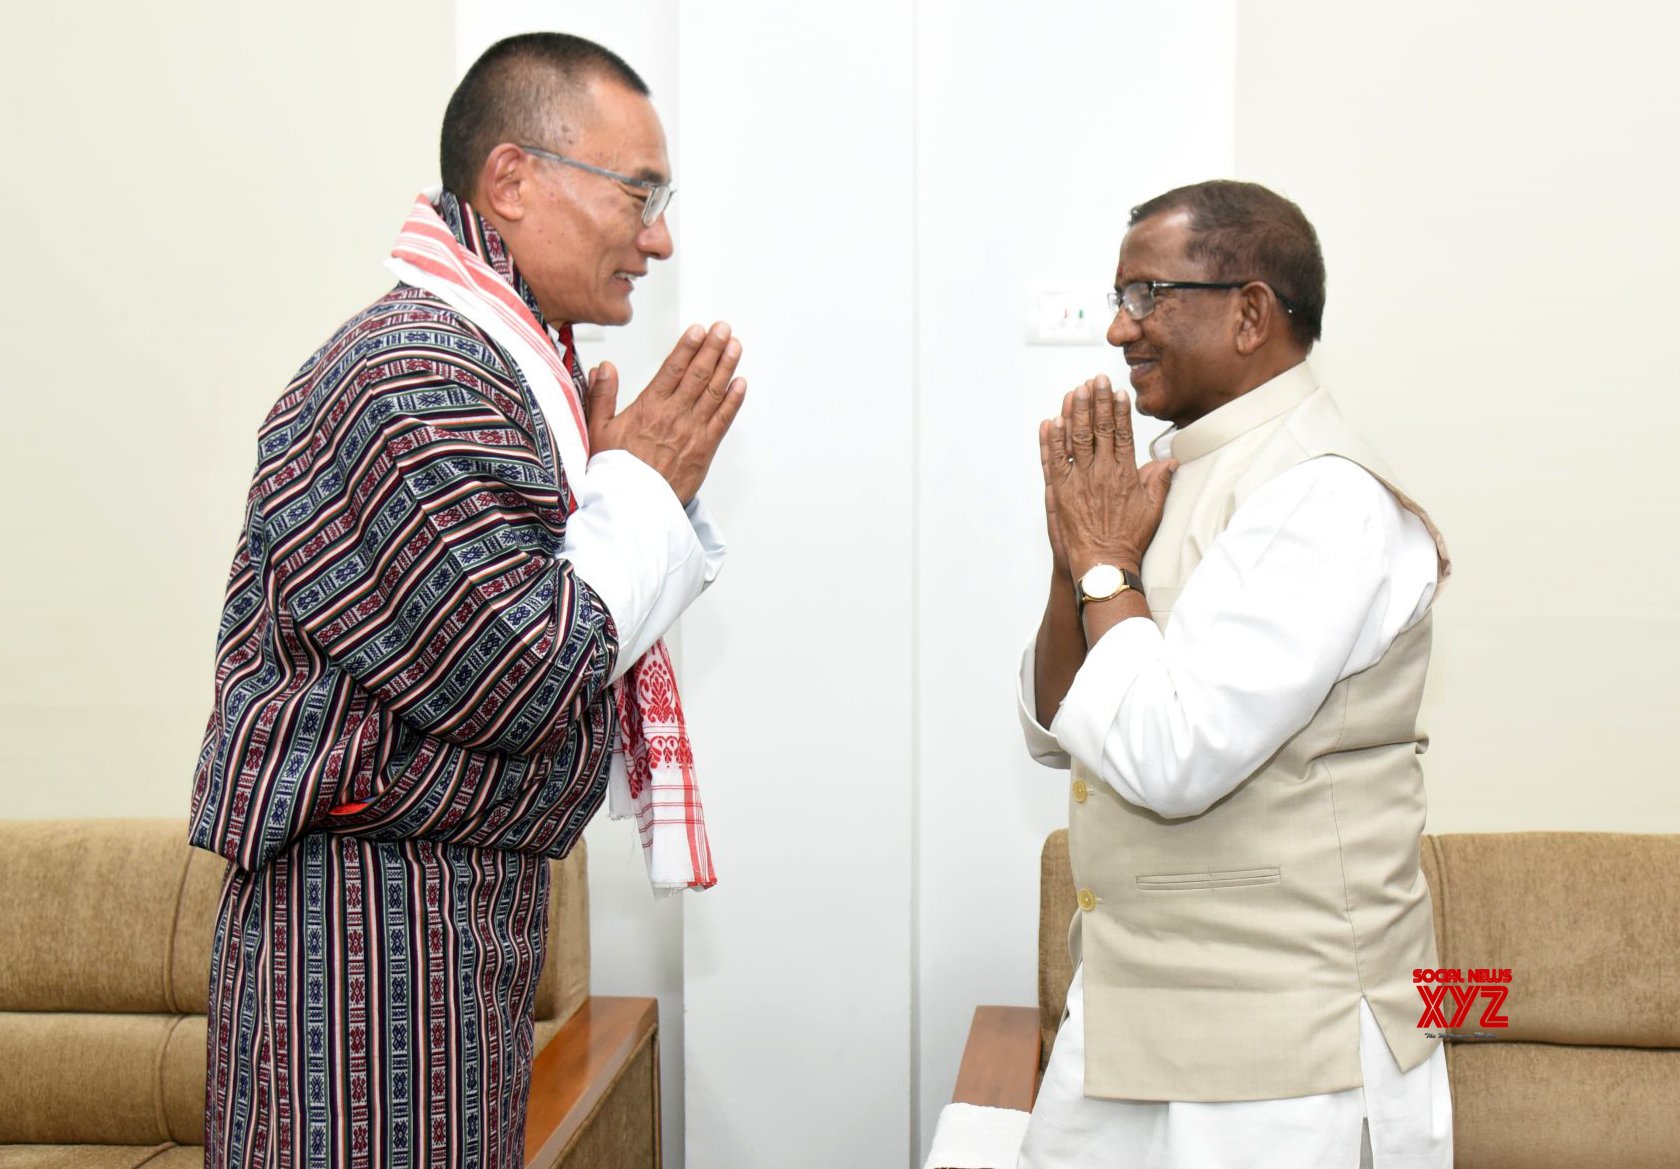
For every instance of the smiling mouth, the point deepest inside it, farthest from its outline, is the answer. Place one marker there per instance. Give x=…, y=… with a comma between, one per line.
x=629, y=278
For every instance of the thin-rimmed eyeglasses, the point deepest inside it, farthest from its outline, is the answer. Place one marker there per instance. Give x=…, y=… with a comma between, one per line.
x=655, y=197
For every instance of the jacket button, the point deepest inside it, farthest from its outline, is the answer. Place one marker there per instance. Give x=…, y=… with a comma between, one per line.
x=1080, y=791
x=1087, y=900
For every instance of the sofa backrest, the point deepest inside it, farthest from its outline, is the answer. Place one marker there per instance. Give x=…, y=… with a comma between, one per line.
x=1588, y=923
x=105, y=935
x=1588, y=1070
x=1058, y=901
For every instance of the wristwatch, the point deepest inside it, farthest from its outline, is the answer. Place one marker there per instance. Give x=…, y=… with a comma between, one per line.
x=1103, y=581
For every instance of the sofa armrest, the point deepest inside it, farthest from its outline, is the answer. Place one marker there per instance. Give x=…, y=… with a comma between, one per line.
x=573, y=1076
x=1000, y=1062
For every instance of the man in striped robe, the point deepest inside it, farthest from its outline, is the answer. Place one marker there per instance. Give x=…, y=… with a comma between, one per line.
x=427, y=611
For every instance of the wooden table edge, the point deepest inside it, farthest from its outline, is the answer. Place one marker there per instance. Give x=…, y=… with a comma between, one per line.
x=571, y=1075
x=1000, y=1060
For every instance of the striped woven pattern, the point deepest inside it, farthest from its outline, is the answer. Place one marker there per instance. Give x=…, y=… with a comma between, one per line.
x=411, y=711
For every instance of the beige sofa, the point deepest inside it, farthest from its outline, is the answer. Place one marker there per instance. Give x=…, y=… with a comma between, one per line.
x=1586, y=1075
x=105, y=933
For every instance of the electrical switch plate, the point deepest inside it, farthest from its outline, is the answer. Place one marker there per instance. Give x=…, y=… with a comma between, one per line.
x=1065, y=318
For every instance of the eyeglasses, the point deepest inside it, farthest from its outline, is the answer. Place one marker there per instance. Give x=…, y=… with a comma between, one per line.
x=655, y=197
x=1138, y=297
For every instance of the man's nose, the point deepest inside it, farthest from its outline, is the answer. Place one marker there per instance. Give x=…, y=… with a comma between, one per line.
x=655, y=240
x=1123, y=329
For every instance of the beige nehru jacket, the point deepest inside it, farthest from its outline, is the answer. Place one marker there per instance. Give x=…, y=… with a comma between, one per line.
x=1226, y=953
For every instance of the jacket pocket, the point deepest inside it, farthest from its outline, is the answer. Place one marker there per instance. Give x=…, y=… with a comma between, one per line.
x=1195, y=882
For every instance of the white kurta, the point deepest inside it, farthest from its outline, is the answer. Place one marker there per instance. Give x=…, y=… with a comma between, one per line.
x=1310, y=583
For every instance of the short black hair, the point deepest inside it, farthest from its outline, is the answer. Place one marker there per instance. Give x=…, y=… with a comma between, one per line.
x=520, y=91
x=1244, y=231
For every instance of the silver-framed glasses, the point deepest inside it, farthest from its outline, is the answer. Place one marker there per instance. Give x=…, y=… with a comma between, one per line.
x=655, y=197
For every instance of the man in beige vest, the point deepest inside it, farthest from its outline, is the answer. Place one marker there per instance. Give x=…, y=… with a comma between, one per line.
x=1231, y=662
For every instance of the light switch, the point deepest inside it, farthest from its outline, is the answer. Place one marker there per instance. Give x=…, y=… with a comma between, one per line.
x=1065, y=318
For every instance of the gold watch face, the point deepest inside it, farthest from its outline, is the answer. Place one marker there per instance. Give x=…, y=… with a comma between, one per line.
x=1101, y=583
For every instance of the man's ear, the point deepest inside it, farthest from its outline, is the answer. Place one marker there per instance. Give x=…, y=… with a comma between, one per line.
x=502, y=182
x=1257, y=317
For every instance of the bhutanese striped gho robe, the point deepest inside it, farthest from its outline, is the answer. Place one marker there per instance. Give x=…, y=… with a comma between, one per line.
x=401, y=643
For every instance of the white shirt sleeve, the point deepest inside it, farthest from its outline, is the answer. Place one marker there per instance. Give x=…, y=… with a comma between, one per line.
x=1311, y=581
x=646, y=556
x=1041, y=744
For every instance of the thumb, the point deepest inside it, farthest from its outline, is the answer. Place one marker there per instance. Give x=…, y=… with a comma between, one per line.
x=1157, y=477
x=603, y=396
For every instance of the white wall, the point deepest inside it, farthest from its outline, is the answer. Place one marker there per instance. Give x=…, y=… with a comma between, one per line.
x=1035, y=139
x=194, y=196
x=795, y=156
x=873, y=199
x=1496, y=186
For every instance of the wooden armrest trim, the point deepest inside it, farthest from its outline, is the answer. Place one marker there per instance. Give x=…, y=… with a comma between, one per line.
x=572, y=1074
x=1000, y=1062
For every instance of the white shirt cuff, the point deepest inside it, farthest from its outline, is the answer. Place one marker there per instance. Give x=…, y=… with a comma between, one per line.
x=969, y=1136
x=710, y=537
x=1087, y=714
x=1041, y=744
x=644, y=554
